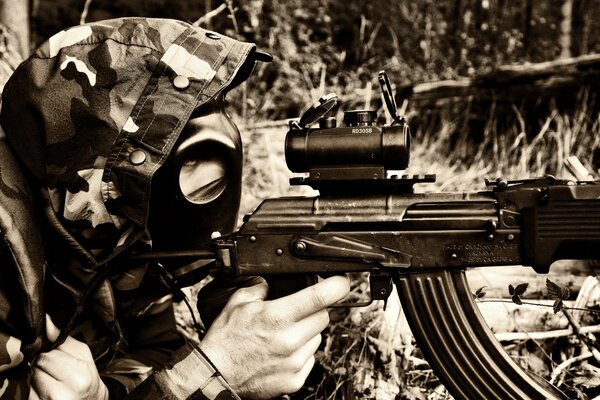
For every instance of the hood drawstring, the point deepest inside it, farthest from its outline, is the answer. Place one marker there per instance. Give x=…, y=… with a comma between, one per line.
x=82, y=300
x=101, y=271
x=178, y=295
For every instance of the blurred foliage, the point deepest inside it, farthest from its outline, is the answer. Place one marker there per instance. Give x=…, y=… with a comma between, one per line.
x=325, y=45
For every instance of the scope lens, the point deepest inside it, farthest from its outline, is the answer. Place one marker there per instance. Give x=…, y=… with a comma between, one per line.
x=396, y=146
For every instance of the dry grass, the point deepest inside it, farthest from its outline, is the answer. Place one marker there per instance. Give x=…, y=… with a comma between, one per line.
x=510, y=154
x=368, y=353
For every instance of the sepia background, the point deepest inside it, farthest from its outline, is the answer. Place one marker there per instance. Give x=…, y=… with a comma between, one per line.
x=490, y=88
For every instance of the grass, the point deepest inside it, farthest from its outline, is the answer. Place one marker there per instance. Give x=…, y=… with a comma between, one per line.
x=368, y=353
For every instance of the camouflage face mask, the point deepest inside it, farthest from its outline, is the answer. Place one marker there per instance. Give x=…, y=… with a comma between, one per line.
x=97, y=109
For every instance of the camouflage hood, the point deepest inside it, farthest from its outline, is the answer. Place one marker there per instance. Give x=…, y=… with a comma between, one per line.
x=94, y=112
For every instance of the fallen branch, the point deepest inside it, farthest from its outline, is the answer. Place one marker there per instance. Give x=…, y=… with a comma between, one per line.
x=557, y=371
x=511, y=81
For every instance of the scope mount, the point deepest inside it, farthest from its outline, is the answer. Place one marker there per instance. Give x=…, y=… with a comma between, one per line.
x=353, y=180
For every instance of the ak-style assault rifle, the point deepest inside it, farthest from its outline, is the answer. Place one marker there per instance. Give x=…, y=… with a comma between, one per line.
x=364, y=220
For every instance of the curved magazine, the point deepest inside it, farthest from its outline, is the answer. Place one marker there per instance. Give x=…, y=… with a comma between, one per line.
x=458, y=343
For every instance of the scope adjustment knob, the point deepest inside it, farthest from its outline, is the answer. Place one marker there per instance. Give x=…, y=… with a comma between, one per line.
x=327, y=123
x=360, y=117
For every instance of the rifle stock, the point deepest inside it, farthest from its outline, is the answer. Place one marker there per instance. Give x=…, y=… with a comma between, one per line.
x=424, y=243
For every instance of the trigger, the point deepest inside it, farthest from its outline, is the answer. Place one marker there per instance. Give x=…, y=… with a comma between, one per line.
x=381, y=287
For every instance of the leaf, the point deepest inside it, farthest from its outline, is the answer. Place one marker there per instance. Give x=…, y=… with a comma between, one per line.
x=479, y=293
x=556, y=292
x=517, y=292
x=516, y=299
x=558, y=305
x=521, y=288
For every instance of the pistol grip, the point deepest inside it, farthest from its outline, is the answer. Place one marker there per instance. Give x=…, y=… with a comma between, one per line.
x=283, y=285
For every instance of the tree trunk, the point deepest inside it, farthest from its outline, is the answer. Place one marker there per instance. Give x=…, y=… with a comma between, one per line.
x=580, y=26
x=456, y=27
x=586, y=20
x=14, y=14
x=527, y=19
x=565, y=29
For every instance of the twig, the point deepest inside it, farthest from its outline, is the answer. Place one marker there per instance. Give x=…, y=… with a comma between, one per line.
x=557, y=371
x=540, y=305
x=588, y=341
x=230, y=6
x=269, y=124
x=514, y=336
x=84, y=13
x=208, y=16
x=417, y=362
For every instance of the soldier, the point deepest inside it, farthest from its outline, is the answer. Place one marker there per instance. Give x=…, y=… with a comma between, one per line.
x=120, y=130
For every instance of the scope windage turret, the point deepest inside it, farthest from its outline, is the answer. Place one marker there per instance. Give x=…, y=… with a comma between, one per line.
x=360, y=143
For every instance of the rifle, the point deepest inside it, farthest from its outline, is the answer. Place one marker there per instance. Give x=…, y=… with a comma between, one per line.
x=365, y=220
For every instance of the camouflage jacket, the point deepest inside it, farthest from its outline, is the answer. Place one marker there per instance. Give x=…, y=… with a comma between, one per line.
x=74, y=115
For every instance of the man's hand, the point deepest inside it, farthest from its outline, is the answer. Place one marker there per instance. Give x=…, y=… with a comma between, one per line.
x=266, y=348
x=67, y=372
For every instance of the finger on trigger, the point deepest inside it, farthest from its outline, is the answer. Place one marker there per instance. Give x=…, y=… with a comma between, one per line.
x=314, y=298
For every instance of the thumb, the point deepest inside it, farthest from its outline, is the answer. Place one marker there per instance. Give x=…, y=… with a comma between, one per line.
x=52, y=331
x=248, y=294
